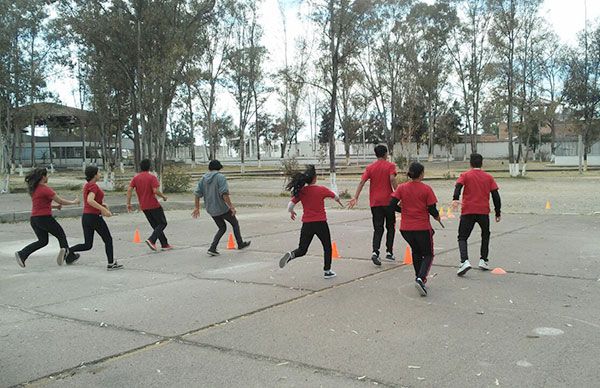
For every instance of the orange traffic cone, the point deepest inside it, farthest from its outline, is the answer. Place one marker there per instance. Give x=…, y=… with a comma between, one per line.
x=407, y=256
x=334, y=251
x=230, y=243
x=136, y=236
x=498, y=271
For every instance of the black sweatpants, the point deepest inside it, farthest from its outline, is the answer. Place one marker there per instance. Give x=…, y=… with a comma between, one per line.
x=220, y=221
x=158, y=221
x=94, y=223
x=467, y=223
x=308, y=231
x=381, y=215
x=42, y=226
x=421, y=244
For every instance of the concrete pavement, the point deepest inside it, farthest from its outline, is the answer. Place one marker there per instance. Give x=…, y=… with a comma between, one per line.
x=182, y=318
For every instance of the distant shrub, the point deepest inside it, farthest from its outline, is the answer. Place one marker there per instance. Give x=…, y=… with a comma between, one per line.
x=175, y=180
x=290, y=166
x=401, y=162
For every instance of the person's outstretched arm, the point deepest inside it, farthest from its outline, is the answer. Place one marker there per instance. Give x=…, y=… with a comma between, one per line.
x=62, y=201
x=456, y=197
x=354, y=199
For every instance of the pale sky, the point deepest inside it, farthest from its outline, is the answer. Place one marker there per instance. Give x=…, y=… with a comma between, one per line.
x=565, y=17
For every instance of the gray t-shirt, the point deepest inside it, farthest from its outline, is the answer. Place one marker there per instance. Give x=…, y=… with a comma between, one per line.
x=211, y=187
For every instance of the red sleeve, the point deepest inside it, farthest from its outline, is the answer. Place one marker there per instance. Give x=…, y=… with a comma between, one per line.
x=295, y=199
x=94, y=189
x=327, y=193
x=493, y=184
x=155, y=183
x=49, y=192
x=393, y=169
x=431, y=199
x=132, y=183
x=398, y=193
x=366, y=175
x=461, y=179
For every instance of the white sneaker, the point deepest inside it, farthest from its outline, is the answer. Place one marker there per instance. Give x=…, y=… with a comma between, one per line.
x=483, y=265
x=329, y=274
x=61, y=255
x=464, y=268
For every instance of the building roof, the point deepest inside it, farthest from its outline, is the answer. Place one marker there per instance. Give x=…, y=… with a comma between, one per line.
x=52, y=114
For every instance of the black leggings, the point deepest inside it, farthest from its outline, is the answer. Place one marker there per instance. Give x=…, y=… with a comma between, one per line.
x=42, y=226
x=321, y=230
x=220, y=221
x=467, y=223
x=95, y=223
x=158, y=221
x=421, y=244
x=381, y=215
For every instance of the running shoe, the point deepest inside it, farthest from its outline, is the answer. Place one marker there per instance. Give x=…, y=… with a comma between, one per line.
x=20, y=261
x=285, y=259
x=483, y=265
x=72, y=258
x=464, y=268
x=244, y=244
x=329, y=274
x=213, y=252
x=420, y=286
x=151, y=245
x=390, y=256
x=167, y=247
x=114, y=266
x=61, y=256
x=375, y=258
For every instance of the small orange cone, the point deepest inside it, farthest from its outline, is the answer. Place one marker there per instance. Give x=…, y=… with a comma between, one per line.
x=498, y=271
x=334, y=251
x=407, y=256
x=136, y=236
x=230, y=243
x=548, y=207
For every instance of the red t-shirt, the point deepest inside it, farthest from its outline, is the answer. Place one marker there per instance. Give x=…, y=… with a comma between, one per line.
x=477, y=186
x=414, y=198
x=92, y=187
x=380, y=188
x=41, y=201
x=313, y=202
x=144, y=183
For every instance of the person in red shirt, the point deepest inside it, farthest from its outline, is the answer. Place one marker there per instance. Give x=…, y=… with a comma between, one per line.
x=382, y=177
x=478, y=185
x=416, y=201
x=314, y=219
x=41, y=219
x=94, y=209
x=146, y=187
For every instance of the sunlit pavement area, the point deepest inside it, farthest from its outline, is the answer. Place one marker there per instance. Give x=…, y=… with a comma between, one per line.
x=182, y=318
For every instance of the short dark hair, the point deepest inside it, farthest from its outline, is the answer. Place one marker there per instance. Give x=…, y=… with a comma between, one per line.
x=145, y=165
x=380, y=151
x=215, y=165
x=90, y=172
x=476, y=160
x=415, y=170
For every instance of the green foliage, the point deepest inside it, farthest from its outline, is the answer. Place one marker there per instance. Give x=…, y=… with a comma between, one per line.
x=290, y=166
x=401, y=162
x=175, y=180
x=345, y=194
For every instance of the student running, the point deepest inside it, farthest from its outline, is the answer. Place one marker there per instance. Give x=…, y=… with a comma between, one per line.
x=146, y=187
x=314, y=219
x=477, y=185
x=417, y=202
x=382, y=177
x=94, y=209
x=41, y=219
x=214, y=189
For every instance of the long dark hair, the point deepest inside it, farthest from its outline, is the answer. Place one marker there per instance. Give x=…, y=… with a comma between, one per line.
x=33, y=179
x=301, y=179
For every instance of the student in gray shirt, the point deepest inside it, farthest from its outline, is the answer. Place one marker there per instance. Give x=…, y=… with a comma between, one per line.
x=215, y=191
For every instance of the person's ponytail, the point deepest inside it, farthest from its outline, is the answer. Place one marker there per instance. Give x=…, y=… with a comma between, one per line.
x=34, y=178
x=301, y=179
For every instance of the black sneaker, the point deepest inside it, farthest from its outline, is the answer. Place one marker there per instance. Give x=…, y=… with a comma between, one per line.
x=285, y=259
x=329, y=274
x=114, y=266
x=72, y=258
x=420, y=286
x=244, y=244
x=20, y=261
x=375, y=258
x=213, y=252
x=390, y=256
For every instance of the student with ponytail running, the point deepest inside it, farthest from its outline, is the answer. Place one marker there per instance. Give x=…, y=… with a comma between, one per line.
x=94, y=209
x=314, y=219
x=41, y=219
x=416, y=201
